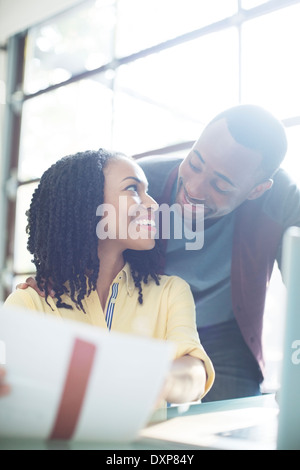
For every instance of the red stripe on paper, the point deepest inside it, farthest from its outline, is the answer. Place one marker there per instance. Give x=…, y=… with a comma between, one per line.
x=72, y=398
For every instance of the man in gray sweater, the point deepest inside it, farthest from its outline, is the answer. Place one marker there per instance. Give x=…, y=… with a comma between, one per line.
x=247, y=202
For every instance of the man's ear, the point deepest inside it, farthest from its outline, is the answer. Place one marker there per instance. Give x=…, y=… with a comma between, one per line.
x=260, y=189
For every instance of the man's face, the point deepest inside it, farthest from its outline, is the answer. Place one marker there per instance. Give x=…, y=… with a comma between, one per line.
x=219, y=173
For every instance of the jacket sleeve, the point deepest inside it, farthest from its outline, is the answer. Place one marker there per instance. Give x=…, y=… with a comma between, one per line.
x=283, y=205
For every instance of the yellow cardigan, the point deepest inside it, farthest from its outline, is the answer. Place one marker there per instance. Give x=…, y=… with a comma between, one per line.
x=167, y=312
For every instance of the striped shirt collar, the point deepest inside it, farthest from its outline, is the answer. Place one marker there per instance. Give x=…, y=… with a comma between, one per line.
x=126, y=272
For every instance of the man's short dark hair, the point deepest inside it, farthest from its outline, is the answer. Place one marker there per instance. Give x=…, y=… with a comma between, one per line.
x=257, y=129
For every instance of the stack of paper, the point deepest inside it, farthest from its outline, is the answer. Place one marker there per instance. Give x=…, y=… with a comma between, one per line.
x=73, y=381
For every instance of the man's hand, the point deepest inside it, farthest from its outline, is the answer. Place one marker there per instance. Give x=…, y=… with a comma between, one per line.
x=31, y=282
x=4, y=387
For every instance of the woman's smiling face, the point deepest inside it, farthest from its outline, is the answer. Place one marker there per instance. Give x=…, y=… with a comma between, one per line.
x=129, y=210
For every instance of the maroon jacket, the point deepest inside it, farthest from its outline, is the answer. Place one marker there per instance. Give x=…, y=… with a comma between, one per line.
x=259, y=228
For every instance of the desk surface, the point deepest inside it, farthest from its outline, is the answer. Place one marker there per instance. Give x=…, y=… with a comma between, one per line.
x=246, y=423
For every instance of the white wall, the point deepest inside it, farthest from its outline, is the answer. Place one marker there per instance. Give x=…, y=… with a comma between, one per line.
x=16, y=15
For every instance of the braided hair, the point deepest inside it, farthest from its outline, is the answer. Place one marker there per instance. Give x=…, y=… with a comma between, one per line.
x=62, y=234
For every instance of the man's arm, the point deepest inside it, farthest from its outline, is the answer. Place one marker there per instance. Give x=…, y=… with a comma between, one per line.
x=283, y=204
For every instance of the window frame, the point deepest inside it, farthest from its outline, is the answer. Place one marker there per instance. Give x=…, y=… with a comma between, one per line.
x=16, y=99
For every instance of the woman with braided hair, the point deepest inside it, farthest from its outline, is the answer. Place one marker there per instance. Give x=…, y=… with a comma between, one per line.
x=91, y=232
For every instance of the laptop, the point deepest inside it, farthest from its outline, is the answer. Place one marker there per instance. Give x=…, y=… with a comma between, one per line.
x=289, y=394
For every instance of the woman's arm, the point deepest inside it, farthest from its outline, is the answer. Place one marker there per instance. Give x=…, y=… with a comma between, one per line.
x=186, y=380
x=192, y=369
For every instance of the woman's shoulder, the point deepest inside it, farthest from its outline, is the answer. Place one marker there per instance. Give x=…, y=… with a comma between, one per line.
x=28, y=298
x=173, y=282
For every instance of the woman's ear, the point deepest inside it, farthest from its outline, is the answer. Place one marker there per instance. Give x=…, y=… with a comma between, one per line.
x=260, y=189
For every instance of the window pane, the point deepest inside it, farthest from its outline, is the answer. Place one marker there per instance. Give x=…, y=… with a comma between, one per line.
x=147, y=126
x=71, y=119
x=190, y=83
x=153, y=21
x=22, y=257
x=270, y=65
x=79, y=40
x=248, y=4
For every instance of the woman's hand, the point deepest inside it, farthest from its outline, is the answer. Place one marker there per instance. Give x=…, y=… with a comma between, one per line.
x=4, y=387
x=186, y=380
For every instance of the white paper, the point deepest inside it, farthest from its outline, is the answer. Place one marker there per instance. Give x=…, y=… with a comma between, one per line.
x=126, y=377
x=213, y=429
